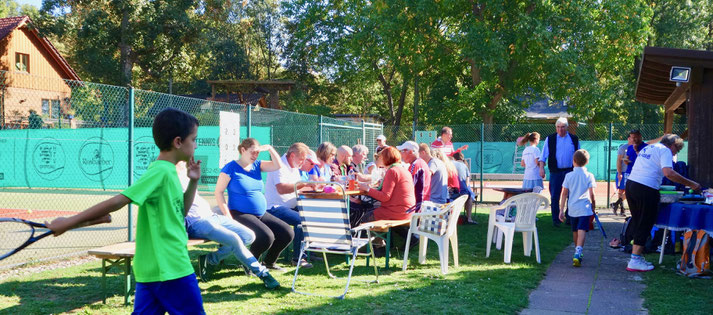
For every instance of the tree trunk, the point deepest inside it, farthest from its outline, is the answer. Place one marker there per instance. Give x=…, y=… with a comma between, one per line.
x=416, y=100
x=488, y=115
x=125, y=47
x=402, y=103
x=386, y=87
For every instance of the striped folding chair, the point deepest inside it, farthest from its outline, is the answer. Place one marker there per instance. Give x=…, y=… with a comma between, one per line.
x=326, y=228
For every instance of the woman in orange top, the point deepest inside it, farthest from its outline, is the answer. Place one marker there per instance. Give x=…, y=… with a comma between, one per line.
x=396, y=192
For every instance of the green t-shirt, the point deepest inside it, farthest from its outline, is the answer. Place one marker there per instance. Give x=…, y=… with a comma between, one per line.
x=161, y=238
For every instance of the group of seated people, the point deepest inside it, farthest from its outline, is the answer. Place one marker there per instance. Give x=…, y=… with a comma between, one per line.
x=397, y=181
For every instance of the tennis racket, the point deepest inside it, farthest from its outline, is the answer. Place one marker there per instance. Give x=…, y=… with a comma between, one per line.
x=16, y=234
x=601, y=228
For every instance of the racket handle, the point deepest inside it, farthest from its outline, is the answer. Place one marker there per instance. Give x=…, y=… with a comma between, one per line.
x=100, y=220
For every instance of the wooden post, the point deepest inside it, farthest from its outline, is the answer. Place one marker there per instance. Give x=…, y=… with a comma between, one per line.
x=700, y=127
x=668, y=122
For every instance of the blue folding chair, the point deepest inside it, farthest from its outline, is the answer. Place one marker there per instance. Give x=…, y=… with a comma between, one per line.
x=326, y=228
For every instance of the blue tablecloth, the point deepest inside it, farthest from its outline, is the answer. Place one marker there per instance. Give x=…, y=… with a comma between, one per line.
x=679, y=217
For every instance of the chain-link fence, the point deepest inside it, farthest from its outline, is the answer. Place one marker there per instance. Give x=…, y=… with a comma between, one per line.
x=493, y=152
x=67, y=145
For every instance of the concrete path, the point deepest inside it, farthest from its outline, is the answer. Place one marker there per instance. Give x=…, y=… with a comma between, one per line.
x=600, y=286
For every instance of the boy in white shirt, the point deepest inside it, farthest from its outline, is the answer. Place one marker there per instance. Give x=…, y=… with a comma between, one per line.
x=578, y=193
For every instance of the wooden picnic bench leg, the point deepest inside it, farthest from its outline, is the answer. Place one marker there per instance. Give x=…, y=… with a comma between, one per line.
x=104, y=280
x=388, y=248
x=127, y=281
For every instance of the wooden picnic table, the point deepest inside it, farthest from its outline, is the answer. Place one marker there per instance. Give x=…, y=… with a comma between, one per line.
x=120, y=255
x=382, y=229
x=333, y=195
x=509, y=190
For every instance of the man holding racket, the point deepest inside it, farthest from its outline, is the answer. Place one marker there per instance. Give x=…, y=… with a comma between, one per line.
x=165, y=281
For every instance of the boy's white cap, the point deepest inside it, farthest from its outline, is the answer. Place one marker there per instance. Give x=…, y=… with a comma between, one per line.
x=312, y=157
x=381, y=137
x=408, y=145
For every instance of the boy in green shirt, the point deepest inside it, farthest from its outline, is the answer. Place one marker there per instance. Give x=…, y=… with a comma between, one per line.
x=165, y=281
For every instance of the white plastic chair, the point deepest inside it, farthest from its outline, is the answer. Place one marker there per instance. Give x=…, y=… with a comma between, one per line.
x=438, y=223
x=526, y=207
x=504, y=216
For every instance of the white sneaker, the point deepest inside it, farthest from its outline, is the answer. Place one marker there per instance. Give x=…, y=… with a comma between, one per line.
x=639, y=265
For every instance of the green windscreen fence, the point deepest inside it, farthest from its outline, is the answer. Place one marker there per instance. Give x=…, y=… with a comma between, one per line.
x=67, y=145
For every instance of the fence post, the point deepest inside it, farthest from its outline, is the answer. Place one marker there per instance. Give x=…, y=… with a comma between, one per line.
x=363, y=132
x=320, y=129
x=131, y=159
x=611, y=126
x=482, y=139
x=250, y=121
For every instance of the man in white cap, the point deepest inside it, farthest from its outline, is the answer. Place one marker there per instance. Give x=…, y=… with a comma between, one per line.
x=380, y=142
x=418, y=169
x=310, y=161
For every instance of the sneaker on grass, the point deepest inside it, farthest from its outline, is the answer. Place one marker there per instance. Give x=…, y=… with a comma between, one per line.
x=205, y=269
x=303, y=264
x=275, y=267
x=269, y=281
x=639, y=265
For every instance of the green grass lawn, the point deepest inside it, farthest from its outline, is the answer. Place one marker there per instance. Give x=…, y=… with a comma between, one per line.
x=479, y=285
x=668, y=292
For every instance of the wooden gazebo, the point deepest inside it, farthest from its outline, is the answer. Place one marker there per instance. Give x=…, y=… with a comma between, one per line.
x=270, y=87
x=695, y=98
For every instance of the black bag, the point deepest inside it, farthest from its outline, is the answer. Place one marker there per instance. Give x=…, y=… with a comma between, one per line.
x=625, y=235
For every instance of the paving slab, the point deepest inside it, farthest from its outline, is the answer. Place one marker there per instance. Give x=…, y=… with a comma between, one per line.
x=601, y=286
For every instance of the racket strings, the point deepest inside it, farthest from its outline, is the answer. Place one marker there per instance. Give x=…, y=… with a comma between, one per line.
x=13, y=235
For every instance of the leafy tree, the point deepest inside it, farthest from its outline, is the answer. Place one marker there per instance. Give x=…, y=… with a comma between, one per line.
x=109, y=38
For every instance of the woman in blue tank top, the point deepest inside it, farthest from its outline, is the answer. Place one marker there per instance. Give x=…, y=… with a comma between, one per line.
x=246, y=202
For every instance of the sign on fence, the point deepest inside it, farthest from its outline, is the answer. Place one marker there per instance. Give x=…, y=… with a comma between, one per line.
x=229, y=139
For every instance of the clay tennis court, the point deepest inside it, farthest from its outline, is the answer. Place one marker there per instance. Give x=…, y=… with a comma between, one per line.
x=40, y=205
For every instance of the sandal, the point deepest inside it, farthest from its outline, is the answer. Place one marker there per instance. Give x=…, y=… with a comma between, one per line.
x=615, y=243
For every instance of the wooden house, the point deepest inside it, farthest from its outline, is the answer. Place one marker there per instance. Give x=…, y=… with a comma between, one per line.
x=33, y=75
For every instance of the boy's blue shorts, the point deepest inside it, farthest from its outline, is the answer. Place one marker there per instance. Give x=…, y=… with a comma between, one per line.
x=580, y=223
x=178, y=296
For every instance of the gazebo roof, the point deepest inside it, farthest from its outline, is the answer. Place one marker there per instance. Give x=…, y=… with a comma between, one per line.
x=653, y=85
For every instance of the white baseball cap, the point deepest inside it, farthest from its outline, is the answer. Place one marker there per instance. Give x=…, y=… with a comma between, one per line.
x=408, y=145
x=312, y=157
x=381, y=137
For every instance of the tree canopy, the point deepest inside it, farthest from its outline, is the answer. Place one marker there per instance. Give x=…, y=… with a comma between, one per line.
x=426, y=62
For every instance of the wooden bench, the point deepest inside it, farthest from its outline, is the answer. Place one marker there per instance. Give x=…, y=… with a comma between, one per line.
x=120, y=255
x=382, y=229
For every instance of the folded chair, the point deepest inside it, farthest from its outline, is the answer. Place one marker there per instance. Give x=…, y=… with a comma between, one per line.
x=438, y=223
x=326, y=228
x=525, y=208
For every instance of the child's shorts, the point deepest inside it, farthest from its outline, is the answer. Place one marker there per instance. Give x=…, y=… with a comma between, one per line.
x=178, y=296
x=580, y=223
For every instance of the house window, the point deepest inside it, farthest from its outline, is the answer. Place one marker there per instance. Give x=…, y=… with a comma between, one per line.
x=56, y=110
x=45, y=107
x=22, y=62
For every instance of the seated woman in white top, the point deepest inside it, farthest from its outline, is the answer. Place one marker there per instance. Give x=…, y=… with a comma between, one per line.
x=201, y=222
x=530, y=157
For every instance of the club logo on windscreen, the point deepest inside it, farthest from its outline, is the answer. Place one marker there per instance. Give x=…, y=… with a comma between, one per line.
x=48, y=159
x=96, y=159
x=145, y=152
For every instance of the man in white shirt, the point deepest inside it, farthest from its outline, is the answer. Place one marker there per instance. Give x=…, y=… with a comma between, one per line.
x=280, y=194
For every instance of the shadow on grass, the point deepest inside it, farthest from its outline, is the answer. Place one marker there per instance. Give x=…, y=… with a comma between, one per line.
x=481, y=285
